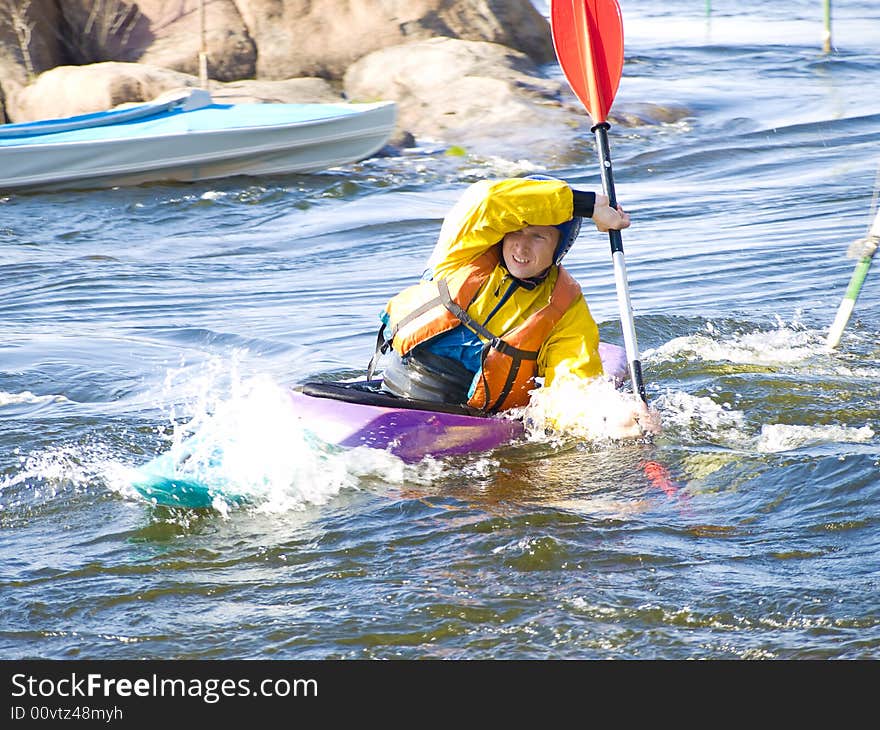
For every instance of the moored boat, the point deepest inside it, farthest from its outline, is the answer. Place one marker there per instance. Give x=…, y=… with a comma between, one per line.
x=186, y=138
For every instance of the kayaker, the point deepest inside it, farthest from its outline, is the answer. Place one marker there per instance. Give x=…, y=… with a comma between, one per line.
x=495, y=309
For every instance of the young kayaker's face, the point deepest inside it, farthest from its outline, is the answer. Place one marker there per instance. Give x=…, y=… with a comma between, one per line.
x=529, y=251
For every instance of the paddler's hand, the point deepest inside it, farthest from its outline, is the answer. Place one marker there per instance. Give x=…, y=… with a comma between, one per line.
x=637, y=422
x=607, y=218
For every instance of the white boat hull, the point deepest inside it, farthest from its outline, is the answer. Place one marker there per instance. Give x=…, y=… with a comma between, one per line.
x=197, y=148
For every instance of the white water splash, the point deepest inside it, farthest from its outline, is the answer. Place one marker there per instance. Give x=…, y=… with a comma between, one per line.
x=244, y=436
x=697, y=417
x=788, y=346
x=592, y=410
x=785, y=345
x=46, y=469
x=784, y=437
x=71, y=468
x=240, y=434
x=493, y=166
x=26, y=397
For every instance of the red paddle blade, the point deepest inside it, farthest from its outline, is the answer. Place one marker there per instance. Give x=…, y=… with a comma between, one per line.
x=588, y=38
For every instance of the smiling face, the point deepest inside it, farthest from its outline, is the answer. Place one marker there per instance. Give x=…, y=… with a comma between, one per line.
x=529, y=251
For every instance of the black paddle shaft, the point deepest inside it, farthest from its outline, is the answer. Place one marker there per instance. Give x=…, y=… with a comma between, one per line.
x=607, y=172
x=616, y=239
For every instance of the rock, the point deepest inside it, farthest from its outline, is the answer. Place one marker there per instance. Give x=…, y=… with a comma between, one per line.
x=323, y=37
x=287, y=91
x=165, y=33
x=264, y=39
x=38, y=21
x=646, y=113
x=473, y=94
x=168, y=34
x=69, y=90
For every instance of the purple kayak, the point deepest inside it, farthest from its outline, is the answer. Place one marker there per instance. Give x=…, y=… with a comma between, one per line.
x=347, y=414
x=350, y=414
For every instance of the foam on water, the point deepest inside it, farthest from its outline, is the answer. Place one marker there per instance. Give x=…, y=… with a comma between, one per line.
x=26, y=397
x=785, y=437
x=571, y=407
x=787, y=348
x=65, y=469
x=700, y=419
x=787, y=344
x=243, y=436
x=696, y=418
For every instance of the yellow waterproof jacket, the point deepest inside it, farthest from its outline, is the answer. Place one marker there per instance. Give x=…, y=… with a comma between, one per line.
x=485, y=213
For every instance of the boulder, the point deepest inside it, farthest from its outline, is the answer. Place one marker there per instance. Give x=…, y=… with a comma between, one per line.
x=287, y=91
x=29, y=24
x=323, y=37
x=175, y=40
x=166, y=33
x=477, y=95
x=265, y=39
x=70, y=90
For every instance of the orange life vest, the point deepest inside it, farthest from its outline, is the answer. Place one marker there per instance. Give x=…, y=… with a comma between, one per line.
x=509, y=363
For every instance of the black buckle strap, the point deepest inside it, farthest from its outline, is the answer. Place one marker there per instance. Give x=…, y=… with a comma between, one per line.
x=382, y=346
x=515, y=353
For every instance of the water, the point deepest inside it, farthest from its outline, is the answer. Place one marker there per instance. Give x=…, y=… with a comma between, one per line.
x=130, y=318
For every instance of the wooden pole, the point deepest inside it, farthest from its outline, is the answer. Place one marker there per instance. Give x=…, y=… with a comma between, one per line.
x=203, y=53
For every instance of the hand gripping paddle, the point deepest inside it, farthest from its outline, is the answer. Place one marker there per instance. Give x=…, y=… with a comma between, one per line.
x=588, y=38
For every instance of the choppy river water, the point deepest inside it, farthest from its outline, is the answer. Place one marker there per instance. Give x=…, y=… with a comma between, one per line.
x=130, y=315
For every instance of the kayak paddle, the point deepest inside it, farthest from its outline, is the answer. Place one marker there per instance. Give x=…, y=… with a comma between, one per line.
x=865, y=249
x=588, y=39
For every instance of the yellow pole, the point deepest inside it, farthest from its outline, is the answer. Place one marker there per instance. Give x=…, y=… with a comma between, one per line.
x=826, y=36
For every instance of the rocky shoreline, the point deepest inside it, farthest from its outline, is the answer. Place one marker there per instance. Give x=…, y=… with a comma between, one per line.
x=468, y=73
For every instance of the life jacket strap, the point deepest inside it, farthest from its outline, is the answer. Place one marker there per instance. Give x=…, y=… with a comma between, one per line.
x=514, y=353
x=415, y=314
x=517, y=357
x=460, y=312
x=382, y=345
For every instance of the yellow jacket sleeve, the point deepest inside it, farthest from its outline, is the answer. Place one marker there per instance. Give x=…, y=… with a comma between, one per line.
x=489, y=209
x=572, y=346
